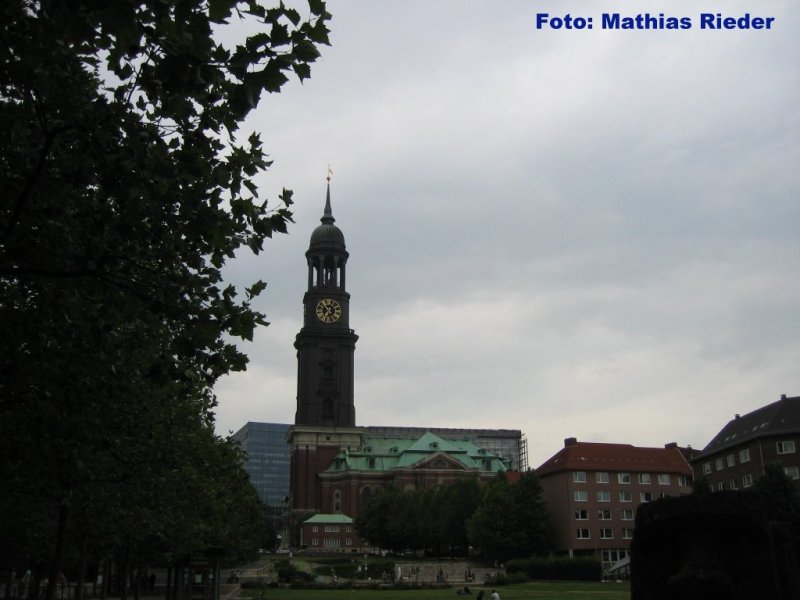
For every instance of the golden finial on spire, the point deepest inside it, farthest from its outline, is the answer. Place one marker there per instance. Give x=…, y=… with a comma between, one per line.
x=330, y=172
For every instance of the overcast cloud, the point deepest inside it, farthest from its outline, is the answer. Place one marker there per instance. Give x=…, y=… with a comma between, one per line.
x=573, y=233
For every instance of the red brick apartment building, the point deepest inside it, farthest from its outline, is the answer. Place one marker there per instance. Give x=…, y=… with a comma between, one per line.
x=737, y=455
x=594, y=489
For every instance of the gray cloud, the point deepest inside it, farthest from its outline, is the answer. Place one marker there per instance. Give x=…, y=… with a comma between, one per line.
x=588, y=234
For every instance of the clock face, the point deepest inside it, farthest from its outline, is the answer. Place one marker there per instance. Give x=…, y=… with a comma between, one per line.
x=329, y=310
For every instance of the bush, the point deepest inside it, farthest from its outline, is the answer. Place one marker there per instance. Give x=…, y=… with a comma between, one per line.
x=572, y=569
x=288, y=573
x=348, y=569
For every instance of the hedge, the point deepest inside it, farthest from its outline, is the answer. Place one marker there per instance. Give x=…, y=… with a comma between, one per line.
x=572, y=569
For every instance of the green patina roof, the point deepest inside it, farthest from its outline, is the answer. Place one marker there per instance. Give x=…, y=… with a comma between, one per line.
x=387, y=454
x=329, y=518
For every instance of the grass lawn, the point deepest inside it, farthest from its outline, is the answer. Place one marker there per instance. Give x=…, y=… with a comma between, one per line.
x=561, y=590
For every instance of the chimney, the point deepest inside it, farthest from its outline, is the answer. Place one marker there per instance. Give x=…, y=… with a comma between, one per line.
x=671, y=445
x=736, y=415
x=570, y=442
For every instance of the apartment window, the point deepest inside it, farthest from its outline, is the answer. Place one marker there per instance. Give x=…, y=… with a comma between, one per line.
x=333, y=542
x=601, y=477
x=582, y=514
x=731, y=460
x=645, y=497
x=581, y=496
x=625, y=497
x=315, y=542
x=579, y=476
x=786, y=447
x=315, y=528
x=663, y=479
x=792, y=472
x=644, y=478
x=684, y=480
x=624, y=477
x=665, y=495
x=349, y=541
x=627, y=533
x=606, y=534
x=719, y=464
x=331, y=529
x=744, y=455
x=721, y=486
x=604, y=496
x=604, y=515
x=707, y=468
x=747, y=480
x=733, y=484
x=627, y=514
x=582, y=534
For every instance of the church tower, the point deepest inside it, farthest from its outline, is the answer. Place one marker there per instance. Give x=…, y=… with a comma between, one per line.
x=324, y=423
x=326, y=344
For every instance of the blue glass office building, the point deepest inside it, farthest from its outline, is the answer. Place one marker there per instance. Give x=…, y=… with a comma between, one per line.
x=267, y=461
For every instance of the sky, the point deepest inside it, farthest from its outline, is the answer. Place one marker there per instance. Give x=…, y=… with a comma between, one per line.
x=574, y=233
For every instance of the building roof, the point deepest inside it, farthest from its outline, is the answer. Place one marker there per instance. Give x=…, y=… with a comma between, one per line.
x=330, y=518
x=590, y=456
x=778, y=418
x=388, y=454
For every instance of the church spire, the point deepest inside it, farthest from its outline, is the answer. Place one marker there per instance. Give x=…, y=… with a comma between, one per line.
x=327, y=216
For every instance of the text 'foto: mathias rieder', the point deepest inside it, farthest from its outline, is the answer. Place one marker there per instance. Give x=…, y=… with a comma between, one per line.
x=660, y=21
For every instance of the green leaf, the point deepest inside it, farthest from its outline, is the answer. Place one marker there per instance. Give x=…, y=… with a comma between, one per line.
x=255, y=289
x=317, y=7
x=302, y=70
x=220, y=10
x=306, y=51
x=279, y=35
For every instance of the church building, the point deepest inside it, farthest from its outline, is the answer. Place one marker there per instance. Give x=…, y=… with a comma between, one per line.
x=335, y=465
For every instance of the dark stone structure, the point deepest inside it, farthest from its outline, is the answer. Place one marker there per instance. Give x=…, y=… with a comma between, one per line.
x=711, y=546
x=326, y=414
x=326, y=344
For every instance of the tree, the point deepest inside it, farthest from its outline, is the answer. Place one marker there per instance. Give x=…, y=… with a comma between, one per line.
x=126, y=188
x=533, y=534
x=779, y=496
x=457, y=503
x=701, y=486
x=511, y=520
x=373, y=523
x=489, y=528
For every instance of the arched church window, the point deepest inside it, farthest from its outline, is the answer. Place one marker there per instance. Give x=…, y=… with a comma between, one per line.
x=366, y=494
x=337, y=501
